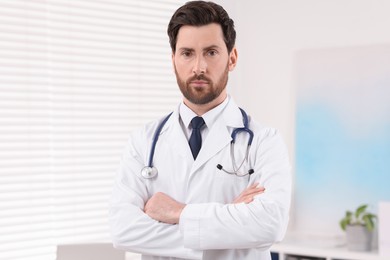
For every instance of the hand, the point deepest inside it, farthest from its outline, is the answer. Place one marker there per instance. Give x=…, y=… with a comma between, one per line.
x=247, y=195
x=163, y=208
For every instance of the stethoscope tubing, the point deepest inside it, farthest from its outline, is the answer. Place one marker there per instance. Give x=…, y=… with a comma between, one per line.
x=155, y=139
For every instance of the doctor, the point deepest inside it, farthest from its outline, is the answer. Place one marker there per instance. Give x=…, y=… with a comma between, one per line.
x=225, y=201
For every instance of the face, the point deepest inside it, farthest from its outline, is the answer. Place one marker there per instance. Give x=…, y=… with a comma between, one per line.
x=202, y=64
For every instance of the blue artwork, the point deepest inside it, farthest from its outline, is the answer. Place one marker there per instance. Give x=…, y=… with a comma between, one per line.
x=342, y=134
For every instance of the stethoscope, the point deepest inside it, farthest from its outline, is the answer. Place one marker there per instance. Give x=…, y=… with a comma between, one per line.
x=149, y=171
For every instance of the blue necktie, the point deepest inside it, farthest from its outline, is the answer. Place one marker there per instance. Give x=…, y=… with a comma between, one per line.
x=196, y=139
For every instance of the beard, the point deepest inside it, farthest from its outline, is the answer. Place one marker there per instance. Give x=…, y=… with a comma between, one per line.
x=202, y=95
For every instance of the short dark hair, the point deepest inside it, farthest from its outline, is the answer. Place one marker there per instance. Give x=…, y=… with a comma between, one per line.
x=198, y=13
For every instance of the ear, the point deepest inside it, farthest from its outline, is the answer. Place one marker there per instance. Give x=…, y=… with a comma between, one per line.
x=233, y=58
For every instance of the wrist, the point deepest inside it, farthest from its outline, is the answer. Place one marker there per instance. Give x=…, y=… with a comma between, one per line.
x=179, y=210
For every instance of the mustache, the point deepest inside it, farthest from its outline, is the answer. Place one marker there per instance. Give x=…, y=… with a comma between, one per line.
x=198, y=77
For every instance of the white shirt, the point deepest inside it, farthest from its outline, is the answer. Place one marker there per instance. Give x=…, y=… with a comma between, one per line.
x=186, y=115
x=211, y=227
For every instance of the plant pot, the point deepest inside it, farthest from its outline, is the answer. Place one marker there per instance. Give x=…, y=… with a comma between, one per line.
x=358, y=238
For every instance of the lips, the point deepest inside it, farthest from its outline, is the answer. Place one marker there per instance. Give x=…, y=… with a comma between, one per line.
x=199, y=82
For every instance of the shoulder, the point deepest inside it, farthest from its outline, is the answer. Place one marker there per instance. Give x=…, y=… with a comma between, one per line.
x=264, y=134
x=146, y=130
x=144, y=134
x=270, y=149
x=262, y=129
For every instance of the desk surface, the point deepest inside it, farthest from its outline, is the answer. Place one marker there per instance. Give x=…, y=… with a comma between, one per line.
x=334, y=248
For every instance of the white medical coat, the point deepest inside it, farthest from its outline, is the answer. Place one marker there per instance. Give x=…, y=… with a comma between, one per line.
x=210, y=226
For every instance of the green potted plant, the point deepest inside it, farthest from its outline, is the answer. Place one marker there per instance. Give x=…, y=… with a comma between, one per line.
x=358, y=226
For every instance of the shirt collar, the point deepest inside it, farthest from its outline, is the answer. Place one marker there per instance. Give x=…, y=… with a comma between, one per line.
x=186, y=114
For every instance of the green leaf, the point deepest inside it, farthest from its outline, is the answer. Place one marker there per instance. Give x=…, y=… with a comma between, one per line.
x=368, y=222
x=359, y=217
x=346, y=220
x=360, y=210
x=343, y=224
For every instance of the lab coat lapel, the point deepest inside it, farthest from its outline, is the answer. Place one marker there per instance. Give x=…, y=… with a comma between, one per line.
x=176, y=138
x=219, y=136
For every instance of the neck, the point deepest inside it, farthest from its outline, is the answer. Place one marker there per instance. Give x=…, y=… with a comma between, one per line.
x=200, y=109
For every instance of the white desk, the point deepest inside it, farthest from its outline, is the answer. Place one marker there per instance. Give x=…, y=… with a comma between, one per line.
x=329, y=249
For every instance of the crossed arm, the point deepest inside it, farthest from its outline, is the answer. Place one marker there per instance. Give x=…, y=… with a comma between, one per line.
x=165, y=209
x=148, y=227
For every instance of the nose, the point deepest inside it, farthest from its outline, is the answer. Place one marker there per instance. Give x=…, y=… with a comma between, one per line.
x=200, y=65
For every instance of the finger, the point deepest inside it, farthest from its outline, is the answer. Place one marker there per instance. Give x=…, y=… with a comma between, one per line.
x=260, y=189
x=248, y=197
x=252, y=194
x=252, y=190
x=245, y=198
x=255, y=188
x=248, y=200
x=248, y=193
x=254, y=185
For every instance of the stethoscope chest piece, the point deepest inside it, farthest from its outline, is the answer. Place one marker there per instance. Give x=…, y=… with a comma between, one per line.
x=149, y=172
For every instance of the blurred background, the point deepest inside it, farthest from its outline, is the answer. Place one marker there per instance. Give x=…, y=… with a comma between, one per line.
x=77, y=76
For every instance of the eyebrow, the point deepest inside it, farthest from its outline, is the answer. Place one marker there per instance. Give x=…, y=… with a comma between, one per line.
x=206, y=48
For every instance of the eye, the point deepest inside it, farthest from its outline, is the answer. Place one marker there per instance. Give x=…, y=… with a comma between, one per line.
x=186, y=54
x=212, y=53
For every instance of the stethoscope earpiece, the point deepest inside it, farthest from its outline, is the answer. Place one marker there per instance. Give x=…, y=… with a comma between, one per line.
x=236, y=168
x=220, y=167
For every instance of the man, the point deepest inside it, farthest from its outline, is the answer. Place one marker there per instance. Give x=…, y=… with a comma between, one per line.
x=192, y=208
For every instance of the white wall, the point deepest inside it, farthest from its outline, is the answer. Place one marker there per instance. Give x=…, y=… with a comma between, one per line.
x=271, y=32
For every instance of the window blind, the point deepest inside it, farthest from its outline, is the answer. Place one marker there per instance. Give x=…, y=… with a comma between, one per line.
x=75, y=78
